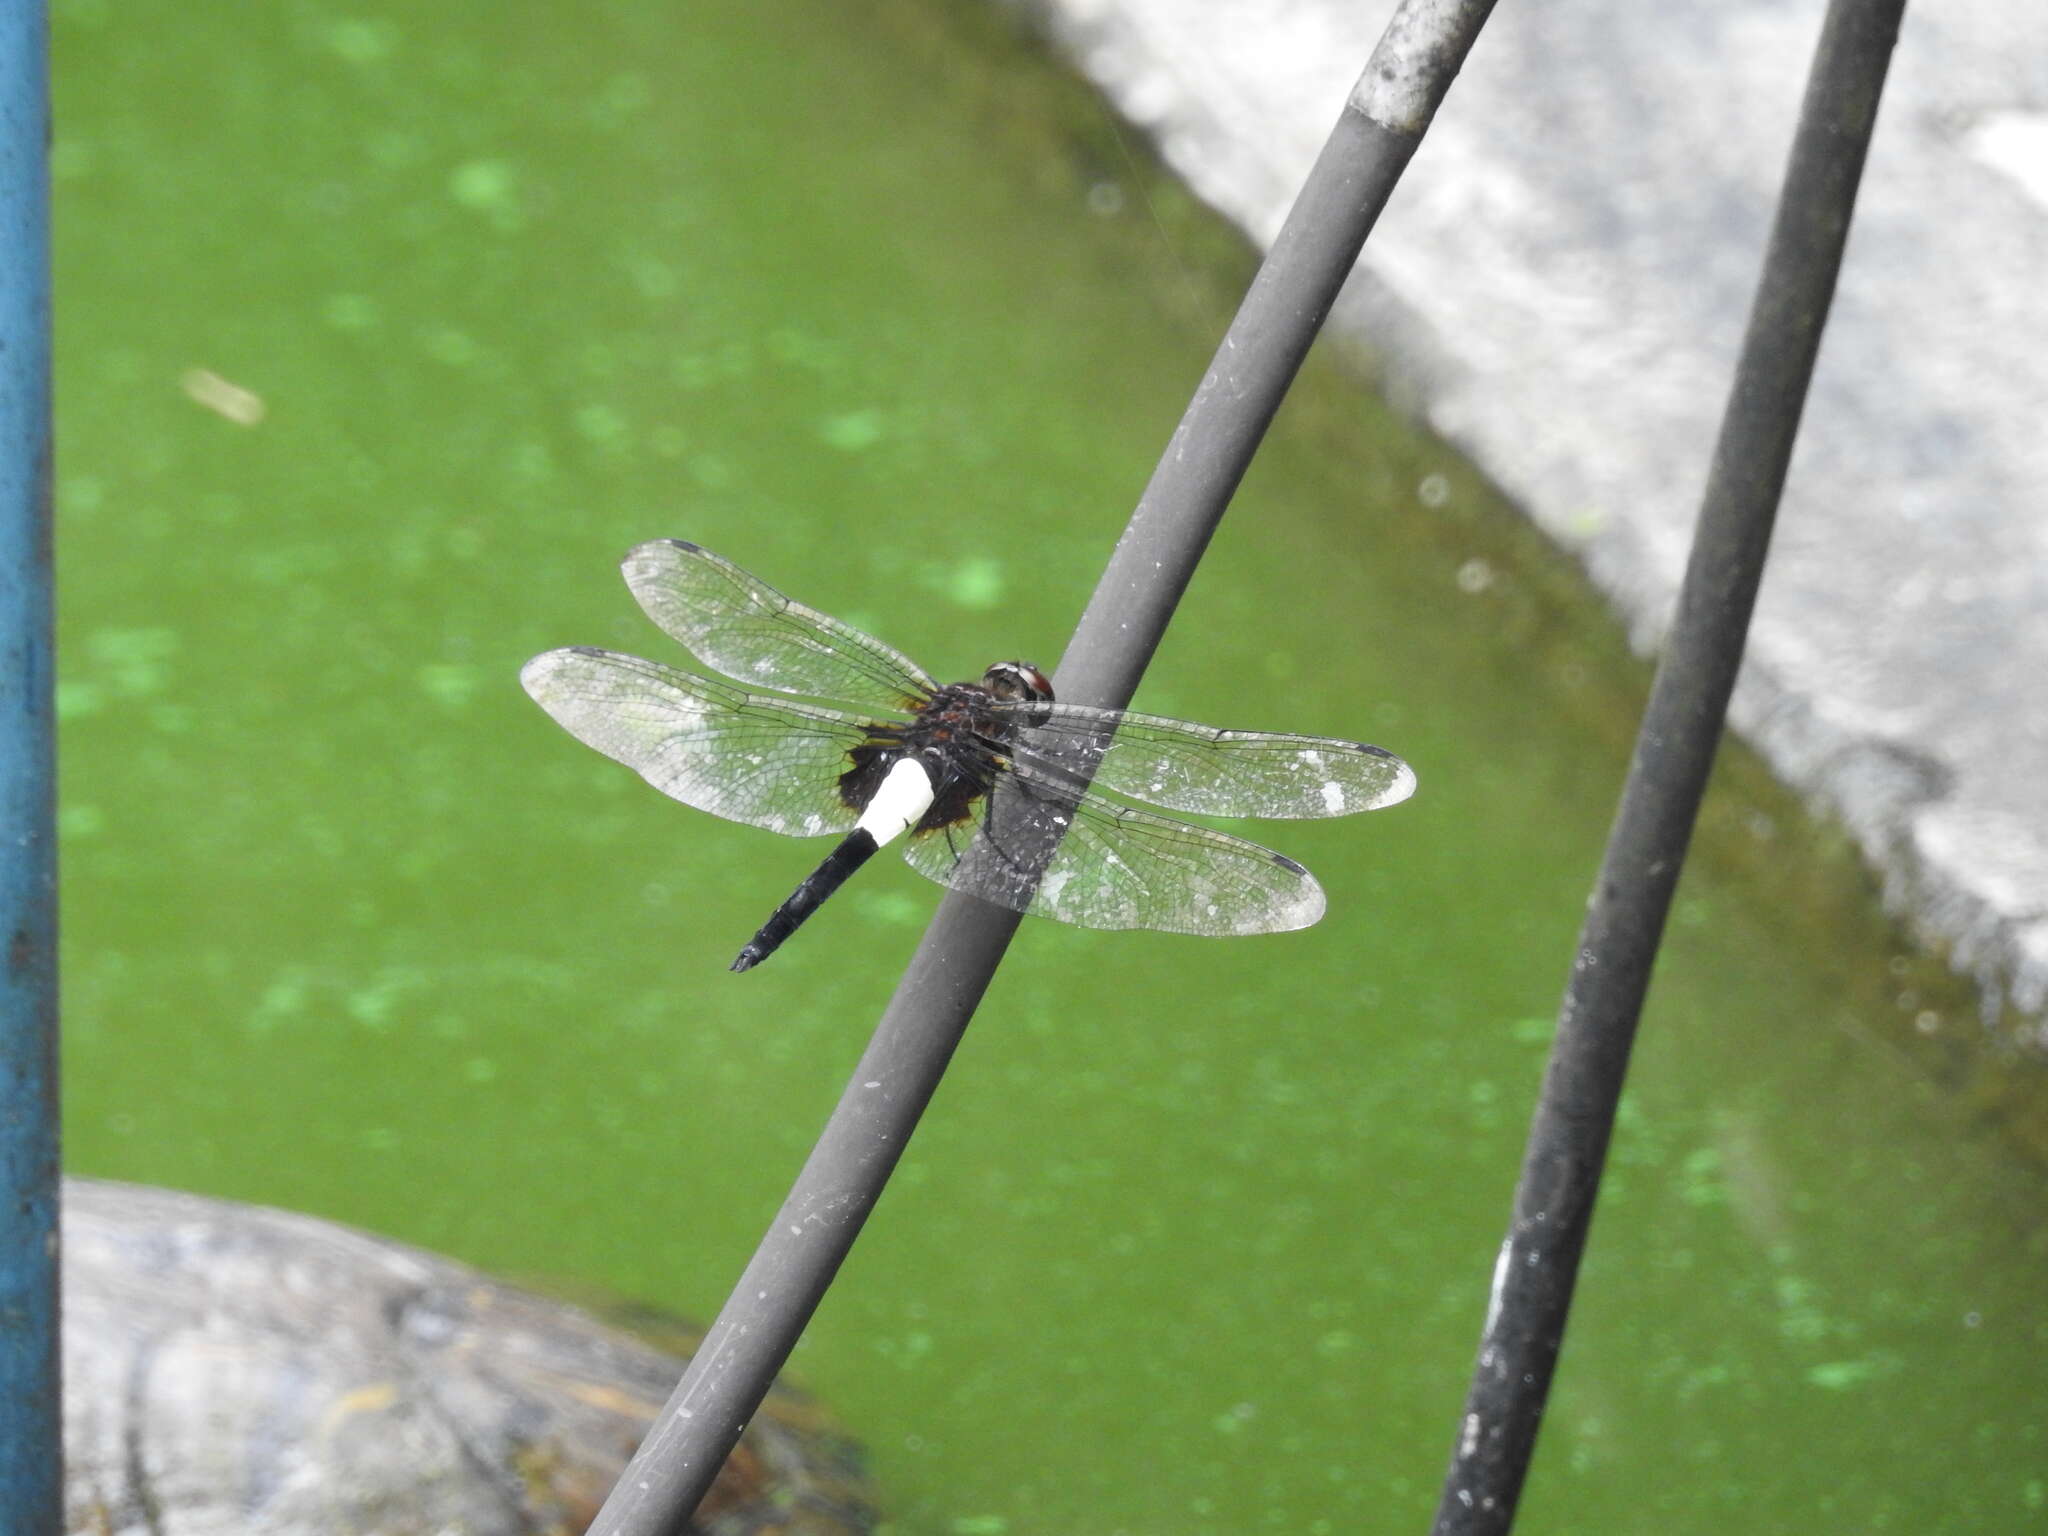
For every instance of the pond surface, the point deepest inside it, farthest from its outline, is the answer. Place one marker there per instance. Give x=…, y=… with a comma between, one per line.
x=386, y=330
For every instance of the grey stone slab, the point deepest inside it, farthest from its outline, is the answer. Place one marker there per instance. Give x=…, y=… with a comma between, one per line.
x=1560, y=286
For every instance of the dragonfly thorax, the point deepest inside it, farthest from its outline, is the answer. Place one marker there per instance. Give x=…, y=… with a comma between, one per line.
x=956, y=738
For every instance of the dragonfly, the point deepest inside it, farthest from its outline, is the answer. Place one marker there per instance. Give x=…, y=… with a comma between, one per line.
x=813, y=729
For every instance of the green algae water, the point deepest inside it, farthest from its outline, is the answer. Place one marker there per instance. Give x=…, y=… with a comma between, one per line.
x=384, y=331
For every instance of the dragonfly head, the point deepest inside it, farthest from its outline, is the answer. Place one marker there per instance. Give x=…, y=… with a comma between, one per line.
x=1019, y=682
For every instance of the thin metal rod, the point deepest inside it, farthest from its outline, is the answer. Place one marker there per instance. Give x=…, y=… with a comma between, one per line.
x=31, y=1404
x=1410, y=71
x=1538, y=1262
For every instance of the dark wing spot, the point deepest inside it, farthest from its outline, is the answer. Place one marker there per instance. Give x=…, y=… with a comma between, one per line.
x=871, y=762
x=952, y=809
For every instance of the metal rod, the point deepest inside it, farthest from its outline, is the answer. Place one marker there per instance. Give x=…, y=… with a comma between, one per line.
x=31, y=1404
x=1538, y=1262
x=1410, y=71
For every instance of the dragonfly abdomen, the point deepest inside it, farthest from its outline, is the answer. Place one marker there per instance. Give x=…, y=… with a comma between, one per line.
x=854, y=850
x=896, y=805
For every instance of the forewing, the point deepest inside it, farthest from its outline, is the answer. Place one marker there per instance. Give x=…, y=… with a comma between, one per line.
x=739, y=625
x=1210, y=772
x=1115, y=867
x=763, y=761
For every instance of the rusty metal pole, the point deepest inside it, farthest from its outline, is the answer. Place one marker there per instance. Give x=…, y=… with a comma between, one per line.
x=1537, y=1266
x=1382, y=123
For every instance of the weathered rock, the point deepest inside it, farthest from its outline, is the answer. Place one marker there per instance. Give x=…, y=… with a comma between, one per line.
x=237, y=1371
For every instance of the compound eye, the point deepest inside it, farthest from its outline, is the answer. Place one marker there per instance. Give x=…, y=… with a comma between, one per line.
x=1018, y=682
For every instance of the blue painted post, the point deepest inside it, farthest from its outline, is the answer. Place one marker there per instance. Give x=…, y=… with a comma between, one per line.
x=31, y=1405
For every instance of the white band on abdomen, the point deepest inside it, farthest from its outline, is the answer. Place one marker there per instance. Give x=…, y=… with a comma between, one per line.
x=906, y=794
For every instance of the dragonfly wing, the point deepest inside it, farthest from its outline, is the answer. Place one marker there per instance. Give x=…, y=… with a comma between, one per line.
x=1210, y=772
x=763, y=761
x=1114, y=867
x=739, y=625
